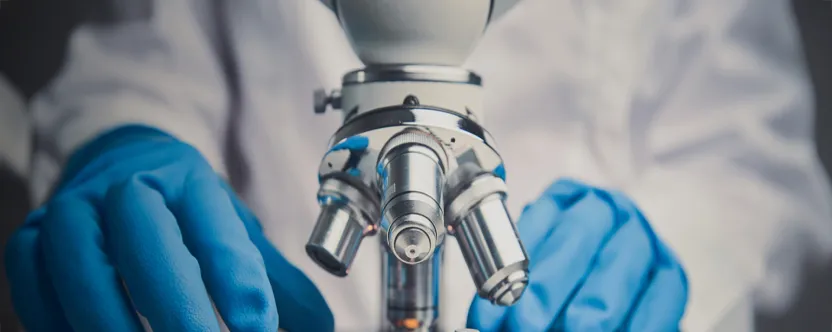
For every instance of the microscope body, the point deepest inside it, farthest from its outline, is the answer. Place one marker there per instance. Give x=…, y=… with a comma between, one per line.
x=411, y=163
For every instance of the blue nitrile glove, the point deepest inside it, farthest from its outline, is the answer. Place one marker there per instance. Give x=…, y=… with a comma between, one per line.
x=595, y=265
x=140, y=207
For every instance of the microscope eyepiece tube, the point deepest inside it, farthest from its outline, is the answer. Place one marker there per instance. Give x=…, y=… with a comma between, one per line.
x=345, y=219
x=478, y=219
x=412, y=179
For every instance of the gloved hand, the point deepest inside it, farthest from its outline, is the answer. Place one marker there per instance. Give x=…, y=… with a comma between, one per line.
x=595, y=265
x=140, y=209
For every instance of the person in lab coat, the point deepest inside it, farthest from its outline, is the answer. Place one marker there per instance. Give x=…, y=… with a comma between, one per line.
x=663, y=150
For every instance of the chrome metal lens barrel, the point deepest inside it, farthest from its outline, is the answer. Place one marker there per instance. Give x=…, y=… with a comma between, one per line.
x=412, y=180
x=346, y=217
x=478, y=218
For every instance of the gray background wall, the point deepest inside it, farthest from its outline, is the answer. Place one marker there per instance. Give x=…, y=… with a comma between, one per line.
x=33, y=37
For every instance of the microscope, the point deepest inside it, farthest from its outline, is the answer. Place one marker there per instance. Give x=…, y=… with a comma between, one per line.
x=411, y=162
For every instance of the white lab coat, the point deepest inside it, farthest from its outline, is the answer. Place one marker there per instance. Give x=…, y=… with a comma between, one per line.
x=700, y=110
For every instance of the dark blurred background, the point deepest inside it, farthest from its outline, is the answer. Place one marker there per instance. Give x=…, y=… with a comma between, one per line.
x=33, y=37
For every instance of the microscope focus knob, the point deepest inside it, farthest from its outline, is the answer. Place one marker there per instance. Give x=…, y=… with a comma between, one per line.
x=321, y=100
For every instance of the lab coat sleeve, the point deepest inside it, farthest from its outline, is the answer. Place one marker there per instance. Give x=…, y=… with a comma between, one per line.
x=720, y=140
x=161, y=70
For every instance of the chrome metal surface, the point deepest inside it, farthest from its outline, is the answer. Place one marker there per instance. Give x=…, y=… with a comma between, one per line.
x=414, y=140
x=335, y=239
x=411, y=244
x=488, y=240
x=472, y=194
x=411, y=73
x=412, y=179
x=412, y=238
x=347, y=216
x=360, y=197
x=411, y=293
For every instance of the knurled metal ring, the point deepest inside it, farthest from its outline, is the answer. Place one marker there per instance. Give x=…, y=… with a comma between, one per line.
x=480, y=188
x=415, y=135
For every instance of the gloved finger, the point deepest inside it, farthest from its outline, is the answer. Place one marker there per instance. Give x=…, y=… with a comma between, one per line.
x=562, y=263
x=232, y=268
x=621, y=270
x=662, y=305
x=86, y=283
x=300, y=305
x=32, y=293
x=162, y=277
x=484, y=316
x=539, y=219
